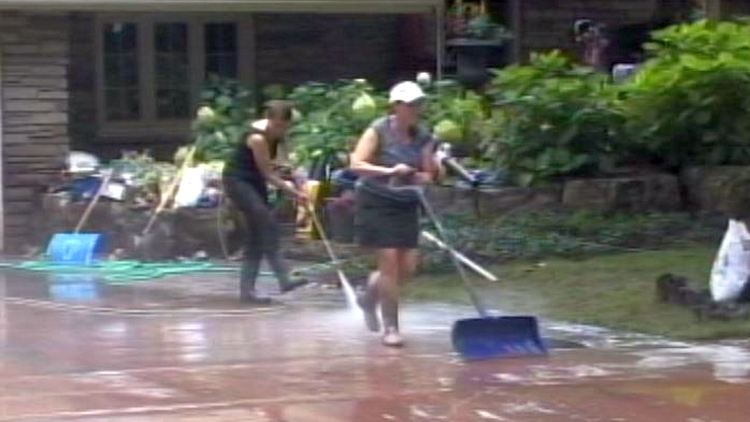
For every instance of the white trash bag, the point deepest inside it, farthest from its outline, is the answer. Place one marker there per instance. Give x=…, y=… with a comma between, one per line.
x=190, y=188
x=731, y=267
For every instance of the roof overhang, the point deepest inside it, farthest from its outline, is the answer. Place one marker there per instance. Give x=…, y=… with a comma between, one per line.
x=281, y=6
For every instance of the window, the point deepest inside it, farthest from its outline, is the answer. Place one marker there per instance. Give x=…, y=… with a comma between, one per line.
x=221, y=50
x=172, y=71
x=121, y=93
x=150, y=68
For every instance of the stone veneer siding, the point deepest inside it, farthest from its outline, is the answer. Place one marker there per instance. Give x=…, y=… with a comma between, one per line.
x=731, y=8
x=290, y=49
x=34, y=112
x=294, y=48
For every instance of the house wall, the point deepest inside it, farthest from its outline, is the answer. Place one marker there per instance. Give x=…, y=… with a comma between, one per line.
x=82, y=82
x=547, y=24
x=290, y=49
x=735, y=8
x=300, y=47
x=34, y=112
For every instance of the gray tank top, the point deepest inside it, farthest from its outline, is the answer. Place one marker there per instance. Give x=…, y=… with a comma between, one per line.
x=393, y=150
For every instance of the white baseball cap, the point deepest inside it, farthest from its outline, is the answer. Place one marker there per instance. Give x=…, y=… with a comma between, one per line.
x=406, y=92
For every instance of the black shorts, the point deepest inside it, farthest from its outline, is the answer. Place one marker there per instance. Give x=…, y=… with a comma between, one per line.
x=383, y=223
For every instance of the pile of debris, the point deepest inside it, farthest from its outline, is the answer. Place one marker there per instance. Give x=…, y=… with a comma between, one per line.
x=190, y=197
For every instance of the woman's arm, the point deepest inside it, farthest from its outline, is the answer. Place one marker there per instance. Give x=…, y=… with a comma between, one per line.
x=363, y=154
x=433, y=169
x=258, y=145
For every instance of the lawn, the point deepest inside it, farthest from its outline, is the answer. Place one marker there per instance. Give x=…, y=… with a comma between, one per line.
x=615, y=291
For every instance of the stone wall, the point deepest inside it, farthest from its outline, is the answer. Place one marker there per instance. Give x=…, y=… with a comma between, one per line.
x=35, y=112
x=704, y=185
x=297, y=48
x=547, y=24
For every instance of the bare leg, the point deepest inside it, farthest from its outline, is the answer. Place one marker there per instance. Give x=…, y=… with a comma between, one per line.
x=408, y=262
x=369, y=302
x=388, y=288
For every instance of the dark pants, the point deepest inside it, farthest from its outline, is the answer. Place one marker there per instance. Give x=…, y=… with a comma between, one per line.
x=263, y=235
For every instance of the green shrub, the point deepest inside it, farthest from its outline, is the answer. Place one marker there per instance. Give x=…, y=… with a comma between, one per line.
x=227, y=108
x=330, y=121
x=462, y=111
x=690, y=104
x=552, y=118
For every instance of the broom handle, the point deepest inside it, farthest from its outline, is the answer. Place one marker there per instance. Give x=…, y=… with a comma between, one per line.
x=348, y=289
x=461, y=257
x=170, y=191
x=92, y=204
x=326, y=243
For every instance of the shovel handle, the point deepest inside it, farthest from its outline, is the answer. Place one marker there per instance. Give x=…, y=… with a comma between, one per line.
x=92, y=204
x=461, y=171
x=461, y=272
x=170, y=191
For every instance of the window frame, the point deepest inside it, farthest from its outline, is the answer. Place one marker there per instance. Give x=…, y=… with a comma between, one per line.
x=149, y=124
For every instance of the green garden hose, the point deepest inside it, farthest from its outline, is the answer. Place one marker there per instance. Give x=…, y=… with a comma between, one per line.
x=130, y=271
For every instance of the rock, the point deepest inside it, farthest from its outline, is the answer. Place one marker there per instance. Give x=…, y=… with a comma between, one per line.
x=703, y=185
x=650, y=192
x=513, y=200
x=448, y=199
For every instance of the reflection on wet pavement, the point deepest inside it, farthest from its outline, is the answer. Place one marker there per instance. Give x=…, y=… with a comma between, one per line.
x=183, y=349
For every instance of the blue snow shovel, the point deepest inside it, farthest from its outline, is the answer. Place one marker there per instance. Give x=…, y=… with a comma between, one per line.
x=488, y=336
x=79, y=248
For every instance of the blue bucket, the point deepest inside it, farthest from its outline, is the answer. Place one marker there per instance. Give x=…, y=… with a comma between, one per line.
x=75, y=249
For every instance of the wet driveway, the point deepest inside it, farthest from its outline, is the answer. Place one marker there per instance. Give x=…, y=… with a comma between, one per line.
x=181, y=349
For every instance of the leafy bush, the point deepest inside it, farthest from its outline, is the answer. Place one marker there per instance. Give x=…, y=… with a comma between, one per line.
x=451, y=108
x=553, y=118
x=330, y=120
x=690, y=104
x=223, y=118
x=149, y=175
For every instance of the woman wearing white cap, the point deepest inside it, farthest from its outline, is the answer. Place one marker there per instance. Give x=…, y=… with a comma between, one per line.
x=394, y=151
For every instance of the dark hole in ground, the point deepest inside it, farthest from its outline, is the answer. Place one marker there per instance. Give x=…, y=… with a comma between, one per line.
x=553, y=343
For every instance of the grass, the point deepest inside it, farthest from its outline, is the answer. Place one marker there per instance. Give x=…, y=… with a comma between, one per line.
x=615, y=291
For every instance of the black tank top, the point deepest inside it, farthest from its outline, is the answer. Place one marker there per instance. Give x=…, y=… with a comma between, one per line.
x=241, y=164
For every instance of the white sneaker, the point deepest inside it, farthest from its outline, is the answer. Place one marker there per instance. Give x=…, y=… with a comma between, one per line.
x=392, y=338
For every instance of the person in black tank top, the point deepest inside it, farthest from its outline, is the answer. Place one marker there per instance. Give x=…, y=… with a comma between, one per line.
x=246, y=175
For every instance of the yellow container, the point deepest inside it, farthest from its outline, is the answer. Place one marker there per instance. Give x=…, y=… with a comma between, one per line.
x=317, y=191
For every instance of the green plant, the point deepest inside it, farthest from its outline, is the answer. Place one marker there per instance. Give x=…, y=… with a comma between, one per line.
x=484, y=28
x=473, y=21
x=552, y=118
x=690, y=104
x=145, y=172
x=227, y=108
x=332, y=117
x=455, y=115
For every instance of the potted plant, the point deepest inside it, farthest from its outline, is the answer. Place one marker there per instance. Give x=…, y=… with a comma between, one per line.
x=474, y=37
